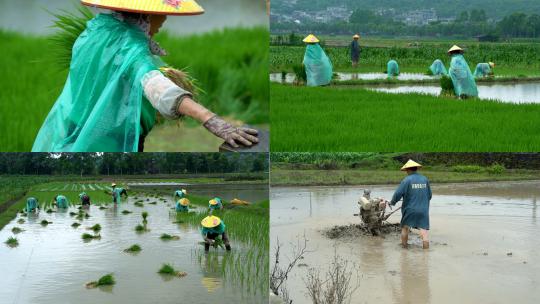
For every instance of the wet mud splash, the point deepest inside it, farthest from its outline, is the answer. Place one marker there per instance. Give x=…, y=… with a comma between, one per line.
x=359, y=230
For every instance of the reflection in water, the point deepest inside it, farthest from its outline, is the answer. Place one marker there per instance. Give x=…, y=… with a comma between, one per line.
x=414, y=278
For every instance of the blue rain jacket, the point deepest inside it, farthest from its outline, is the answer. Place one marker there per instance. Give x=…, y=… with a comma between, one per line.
x=61, y=201
x=437, y=68
x=416, y=194
x=31, y=204
x=462, y=78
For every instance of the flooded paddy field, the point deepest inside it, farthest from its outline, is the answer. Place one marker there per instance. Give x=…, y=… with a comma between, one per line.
x=484, y=243
x=506, y=92
x=52, y=263
x=343, y=76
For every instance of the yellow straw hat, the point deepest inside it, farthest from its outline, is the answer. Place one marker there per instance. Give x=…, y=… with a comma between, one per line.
x=113, y=184
x=491, y=64
x=210, y=221
x=356, y=36
x=454, y=49
x=184, y=202
x=311, y=39
x=153, y=7
x=184, y=191
x=410, y=164
x=213, y=202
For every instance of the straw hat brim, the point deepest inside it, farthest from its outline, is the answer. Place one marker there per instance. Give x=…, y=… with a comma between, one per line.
x=187, y=8
x=311, y=39
x=410, y=164
x=210, y=221
x=184, y=202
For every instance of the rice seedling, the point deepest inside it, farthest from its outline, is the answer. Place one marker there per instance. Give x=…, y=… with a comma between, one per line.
x=141, y=228
x=152, y=203
x=168, y=237
x=167, y=269
x=96, y=228
x=89, y=237
x=86, y=215
x=45, y=223
x=106, y=280
x=21, y=221
x=102, y=208
x=16, y=230
x=144, y=216
x=12, y=242
x=138, y=204
x=126, y=212
x=72, y=213
x=133, y=249
x=75, y=225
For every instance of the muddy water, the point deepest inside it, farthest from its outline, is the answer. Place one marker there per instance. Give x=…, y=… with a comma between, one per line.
x=52, y=264
x=342, y=76
x=30, y=16
x=248, y=192
x=473, y=228
x=512, y=93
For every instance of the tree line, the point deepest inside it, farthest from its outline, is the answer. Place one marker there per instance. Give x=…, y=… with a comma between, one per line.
x=131, y=163
x=467, y=24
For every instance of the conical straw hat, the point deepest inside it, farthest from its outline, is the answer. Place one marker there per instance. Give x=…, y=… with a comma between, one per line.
x=184, y=191
x=455, y=48
x=311, y=39
x=356, y=36
x=491, y=64
x=184, y=202
x=210, y=221
x=214, y=201
x=153, y=7
x=410, y=164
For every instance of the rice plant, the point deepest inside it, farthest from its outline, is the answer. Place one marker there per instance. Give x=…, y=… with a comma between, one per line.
x=72, y=213
x=96, y=228
x=45, y=223
x=138, y=204
x=168, y=237
x=89, y=237
x=106, y=280
x=144, y=216
x=167, y=269
x=133, y=249
x=21, y=221
x=75, y=225
x=12, y=242
x=126, y=212
x=16, y=230
x=141, y=228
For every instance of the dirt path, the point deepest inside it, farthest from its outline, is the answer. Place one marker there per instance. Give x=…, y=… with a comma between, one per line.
x=6, y=205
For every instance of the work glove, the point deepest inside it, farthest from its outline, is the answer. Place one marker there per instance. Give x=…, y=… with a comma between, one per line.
x=231, y=134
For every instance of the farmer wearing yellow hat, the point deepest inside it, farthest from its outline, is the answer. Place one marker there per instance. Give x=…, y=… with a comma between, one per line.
x=484, y=70
x=182, y=205
x=317, y=64
x=117, y=84
x=462, y=78
x=355, y=50
x=212, y=228
x=117, y=193
x=215, y=204
x=416, y=194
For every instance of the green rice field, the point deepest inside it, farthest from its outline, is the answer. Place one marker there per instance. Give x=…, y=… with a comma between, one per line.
x=354, y=119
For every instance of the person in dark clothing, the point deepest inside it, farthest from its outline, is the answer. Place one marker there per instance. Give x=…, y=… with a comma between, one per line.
x=355, y=50
x=416, y=193
x=85, y=199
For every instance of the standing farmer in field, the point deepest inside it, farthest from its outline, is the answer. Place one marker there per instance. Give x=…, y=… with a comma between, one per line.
x=317, y=64
x=117, y=83
x=484, y=70
x=355, y=51
x=416, y=194
x=462, y=78
x=117, y=193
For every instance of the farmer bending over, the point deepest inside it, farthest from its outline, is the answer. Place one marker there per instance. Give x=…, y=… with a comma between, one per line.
x=484, y=70
x=416, y=194
x=180, y=193
x=182, y=205
x=60, y=201
x=215, y=204
x=32, y=205
x=213, y=227
x=85, y=199
x=462, y=78
x=117, y=193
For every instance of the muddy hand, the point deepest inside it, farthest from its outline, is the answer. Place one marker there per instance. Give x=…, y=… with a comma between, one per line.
x=230, y=133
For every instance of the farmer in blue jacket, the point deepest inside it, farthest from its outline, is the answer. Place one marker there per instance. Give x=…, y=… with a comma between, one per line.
x=416, y=194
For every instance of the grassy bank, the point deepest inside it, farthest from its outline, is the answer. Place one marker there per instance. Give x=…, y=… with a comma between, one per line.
x=230, y=65
x=345, y=119
x=293, y=177
x=512, y=59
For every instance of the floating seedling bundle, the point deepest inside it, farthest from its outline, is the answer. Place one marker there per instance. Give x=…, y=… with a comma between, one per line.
x=168, y=237
x=126, y=212
x=16, y=230
x=12, y=242
x=106, y=280
x=89, y=237
x=21, y=221
x=138, y=204
x=144, y=216
x=96, y=228
x=141, y=228
x=45, y=223
x=133, y=249
x=75, y=225
x=167, y=269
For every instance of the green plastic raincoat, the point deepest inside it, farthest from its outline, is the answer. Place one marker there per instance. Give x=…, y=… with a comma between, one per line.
x=31, y=204
x=102, y=107
x=437, y=68
x=219, y=229
x=117, y=195
x=482, y=70
x=61, y=201
x=318, y=66
x=462, y=78
x=392, y=68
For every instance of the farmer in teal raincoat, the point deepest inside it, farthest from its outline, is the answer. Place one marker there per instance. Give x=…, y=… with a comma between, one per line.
x=437, y=68
x=117, y=83
x=392, y=68
x=117, y=193
x=212, y=228
x=317, y=64
x=416, y=194
x=215, y=204
x=484, y=70
x=32, y=205
x=182, y=205
x=60, y=201
x=180, y=193
x=462, y=78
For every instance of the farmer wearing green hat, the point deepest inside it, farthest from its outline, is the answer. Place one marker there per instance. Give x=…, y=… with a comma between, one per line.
x=117, y=83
